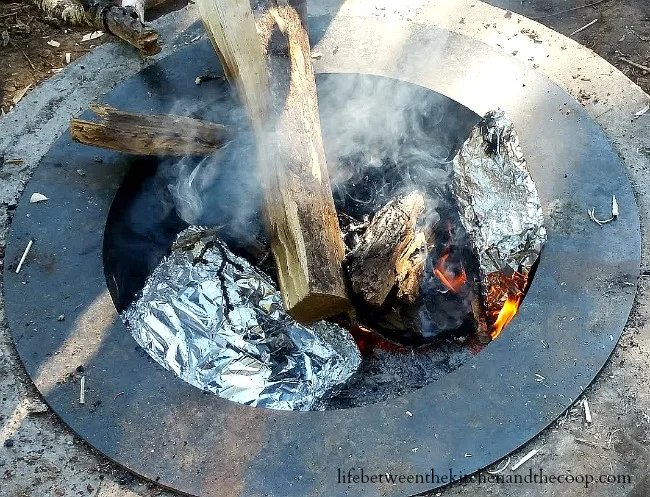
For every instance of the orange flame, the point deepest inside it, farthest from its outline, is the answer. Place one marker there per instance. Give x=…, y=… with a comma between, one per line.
x=506, y=314
x=453, y=282
x=368, y=340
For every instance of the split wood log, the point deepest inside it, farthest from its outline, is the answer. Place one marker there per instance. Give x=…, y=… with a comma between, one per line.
x=392, y=252
x=121, y=21
x=266, y=55
x=141, y=134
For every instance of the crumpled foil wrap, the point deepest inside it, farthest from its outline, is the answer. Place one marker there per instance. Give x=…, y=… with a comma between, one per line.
x=218, y=323
x=499, y=205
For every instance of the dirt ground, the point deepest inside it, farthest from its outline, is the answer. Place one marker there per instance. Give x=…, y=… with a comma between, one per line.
x=26, y=59
x=622, y=29
x=45, y=459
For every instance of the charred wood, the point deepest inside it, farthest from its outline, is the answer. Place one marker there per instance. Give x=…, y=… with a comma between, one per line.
x=392, y=252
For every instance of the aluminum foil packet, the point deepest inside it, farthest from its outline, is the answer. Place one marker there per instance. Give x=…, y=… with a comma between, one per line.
x=218, y=323
x=499, y=207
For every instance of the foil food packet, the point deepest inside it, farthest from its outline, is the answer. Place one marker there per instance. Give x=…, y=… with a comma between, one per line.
x=499, y=208
x=218, y=323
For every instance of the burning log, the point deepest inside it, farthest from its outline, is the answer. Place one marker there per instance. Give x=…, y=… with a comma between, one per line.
x=122, y=21
x=141, y=134
x=456, y=281
x=267, y=56
x=391, y=253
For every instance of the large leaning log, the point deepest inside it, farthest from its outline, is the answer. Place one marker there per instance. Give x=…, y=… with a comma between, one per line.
x=154, y=135
x=391, y=253
x=266, y=55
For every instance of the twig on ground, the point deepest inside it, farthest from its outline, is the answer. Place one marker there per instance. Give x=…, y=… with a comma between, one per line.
x=584, y=27
x=585, y=404
x=501, y=469
x=22, y=259
x=525, y=459
x=82, y=391
x=586, y=442
x=642, y=112
x=634, y=64
x=19, y=96
x=28, y=61
x=600, y=222
x=569, y=10
x=603, y=113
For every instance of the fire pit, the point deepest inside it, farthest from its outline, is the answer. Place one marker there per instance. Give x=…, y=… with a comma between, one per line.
x=435, y=338
x=153, y=423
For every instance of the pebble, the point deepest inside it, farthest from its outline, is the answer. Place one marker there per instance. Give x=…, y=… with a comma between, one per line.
x=36, y=407
x=9, y=442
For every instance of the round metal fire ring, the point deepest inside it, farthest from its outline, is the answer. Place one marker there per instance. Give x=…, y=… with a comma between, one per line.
x=65, y=325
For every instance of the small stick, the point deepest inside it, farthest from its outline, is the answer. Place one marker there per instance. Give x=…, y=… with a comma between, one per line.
x=585, y=404
x=586, y=442
x=22, y=259
x=29, y=61
x=584, y=27
x=600, y=222
x=82, y=392
x=524, y=459
x=603, y=113
x=634, y=64
x=569, y=10
x=118, y=394
x=501, y=469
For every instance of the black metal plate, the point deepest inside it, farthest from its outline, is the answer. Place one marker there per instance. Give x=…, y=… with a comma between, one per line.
x=167, y=431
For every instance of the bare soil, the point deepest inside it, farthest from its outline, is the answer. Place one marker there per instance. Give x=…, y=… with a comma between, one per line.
x=622, y=29
x=26, y=58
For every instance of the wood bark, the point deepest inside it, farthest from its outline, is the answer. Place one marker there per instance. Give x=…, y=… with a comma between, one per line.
x=266, y=55
x=480, y=318
x=155, y=135
x=391, y=253
x=123, y=22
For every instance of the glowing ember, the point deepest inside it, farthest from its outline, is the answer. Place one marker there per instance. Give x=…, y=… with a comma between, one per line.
x=506, y=314
x=369, y=340
x=448, y=277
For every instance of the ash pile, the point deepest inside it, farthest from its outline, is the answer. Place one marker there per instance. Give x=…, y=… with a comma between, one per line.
x=434, y=272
